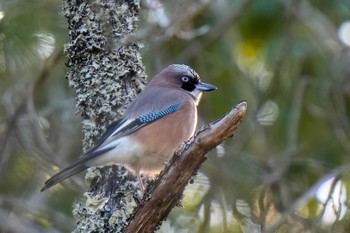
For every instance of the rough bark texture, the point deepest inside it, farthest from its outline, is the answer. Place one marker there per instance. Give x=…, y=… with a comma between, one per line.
x=167, y=190
x=105, y=77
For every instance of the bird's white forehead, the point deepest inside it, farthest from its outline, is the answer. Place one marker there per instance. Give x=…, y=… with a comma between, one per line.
x=186, y=70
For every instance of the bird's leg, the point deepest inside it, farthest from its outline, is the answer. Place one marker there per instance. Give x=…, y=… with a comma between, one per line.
x=139, y=179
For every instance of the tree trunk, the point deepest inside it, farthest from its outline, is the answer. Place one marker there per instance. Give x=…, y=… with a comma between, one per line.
x=105, y=76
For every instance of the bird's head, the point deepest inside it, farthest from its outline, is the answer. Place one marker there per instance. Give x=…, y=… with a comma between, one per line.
x=184, y=78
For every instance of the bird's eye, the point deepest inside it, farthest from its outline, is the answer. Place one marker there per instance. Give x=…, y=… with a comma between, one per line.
x=185, y=79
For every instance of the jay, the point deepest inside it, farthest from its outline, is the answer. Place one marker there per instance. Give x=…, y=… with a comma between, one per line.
x=155, y=123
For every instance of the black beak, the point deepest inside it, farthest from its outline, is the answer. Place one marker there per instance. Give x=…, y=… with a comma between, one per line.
x=205, y=87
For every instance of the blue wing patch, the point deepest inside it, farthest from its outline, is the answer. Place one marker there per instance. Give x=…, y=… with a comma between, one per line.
x=152, y=116
x=126, y=128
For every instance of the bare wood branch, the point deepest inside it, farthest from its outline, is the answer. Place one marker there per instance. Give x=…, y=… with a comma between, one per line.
x=167, y=190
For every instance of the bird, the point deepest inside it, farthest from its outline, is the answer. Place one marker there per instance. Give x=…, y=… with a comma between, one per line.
x=152, y=128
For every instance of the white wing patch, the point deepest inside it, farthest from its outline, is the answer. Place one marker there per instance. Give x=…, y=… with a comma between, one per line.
x=122, y=127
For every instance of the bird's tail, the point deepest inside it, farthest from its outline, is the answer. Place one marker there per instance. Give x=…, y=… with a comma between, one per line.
x=64, y=174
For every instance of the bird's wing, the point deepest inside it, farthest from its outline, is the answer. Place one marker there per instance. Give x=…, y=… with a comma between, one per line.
x=126, y=127
x=116, y=130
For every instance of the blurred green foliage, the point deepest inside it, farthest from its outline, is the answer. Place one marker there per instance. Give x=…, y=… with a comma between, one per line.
x=285, y=58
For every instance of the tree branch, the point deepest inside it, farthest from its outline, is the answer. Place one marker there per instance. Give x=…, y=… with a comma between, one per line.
x=167, y=190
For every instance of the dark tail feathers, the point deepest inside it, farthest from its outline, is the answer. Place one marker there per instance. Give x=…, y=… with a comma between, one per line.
x=64, y=174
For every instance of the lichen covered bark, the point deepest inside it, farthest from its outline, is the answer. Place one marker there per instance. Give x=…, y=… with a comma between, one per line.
x=106, y=77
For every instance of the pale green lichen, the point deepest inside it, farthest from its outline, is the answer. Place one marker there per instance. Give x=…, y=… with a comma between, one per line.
x=95, y=201
x=107, y=214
